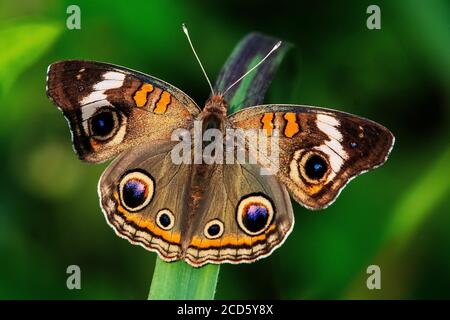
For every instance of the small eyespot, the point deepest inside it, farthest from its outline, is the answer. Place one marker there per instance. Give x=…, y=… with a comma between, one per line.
x=104, y=123
x=213, y=229
x=136, y=190
x=255, y=213
x=165, y=219
x=314, y=167
x=353, y=144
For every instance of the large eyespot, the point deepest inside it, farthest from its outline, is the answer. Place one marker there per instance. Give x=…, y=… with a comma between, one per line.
x=213, y=229
x=136, y=190
x=165, y=219
x=255, y=213
x=104, y=124
x=314, y=167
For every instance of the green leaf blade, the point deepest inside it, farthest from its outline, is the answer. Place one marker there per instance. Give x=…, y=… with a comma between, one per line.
x=180, y=281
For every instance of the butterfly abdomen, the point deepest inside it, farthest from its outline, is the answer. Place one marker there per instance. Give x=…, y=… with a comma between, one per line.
x=197, y=195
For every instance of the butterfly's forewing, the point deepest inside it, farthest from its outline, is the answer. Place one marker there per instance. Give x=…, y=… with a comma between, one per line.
x=320, y=150
x=110, y=108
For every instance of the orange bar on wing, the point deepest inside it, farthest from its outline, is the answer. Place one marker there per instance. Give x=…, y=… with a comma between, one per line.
x=267, y=121
x=163, y=102
x=292, y=127
x=140, y=97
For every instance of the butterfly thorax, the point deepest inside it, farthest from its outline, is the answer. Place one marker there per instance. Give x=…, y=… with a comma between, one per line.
x=213, y=116
x=216, y=105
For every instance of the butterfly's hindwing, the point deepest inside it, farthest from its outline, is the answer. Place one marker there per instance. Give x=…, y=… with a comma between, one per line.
x=142, y=195
x=254, y=210
x=199, y=213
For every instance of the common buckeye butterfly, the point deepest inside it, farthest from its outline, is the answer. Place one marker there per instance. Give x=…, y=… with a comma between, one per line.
x=205, y=213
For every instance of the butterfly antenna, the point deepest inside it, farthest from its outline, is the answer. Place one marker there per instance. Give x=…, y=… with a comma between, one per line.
x=185, y=30
x=275, y=47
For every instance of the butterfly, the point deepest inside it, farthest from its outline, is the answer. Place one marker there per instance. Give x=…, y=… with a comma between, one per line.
x=205, y=212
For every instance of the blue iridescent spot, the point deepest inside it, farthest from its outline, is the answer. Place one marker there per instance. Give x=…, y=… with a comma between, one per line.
x=134, y=193
x=255, y=217
x=317, y=167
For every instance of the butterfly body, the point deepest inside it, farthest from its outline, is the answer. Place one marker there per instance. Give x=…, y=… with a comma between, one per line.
x=183, y=203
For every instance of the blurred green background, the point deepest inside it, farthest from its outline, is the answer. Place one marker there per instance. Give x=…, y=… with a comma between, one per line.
x=396, y=217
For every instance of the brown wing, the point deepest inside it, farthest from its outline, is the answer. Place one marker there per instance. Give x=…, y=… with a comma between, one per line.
x=143, y=196
x=198, y=213
x=241, y=215
x=320, y=150
x=110, y=108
